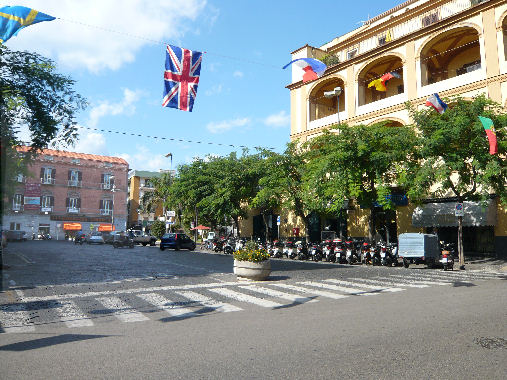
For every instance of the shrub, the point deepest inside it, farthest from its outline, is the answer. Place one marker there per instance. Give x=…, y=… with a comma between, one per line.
x=158, y=229
x=251, y=252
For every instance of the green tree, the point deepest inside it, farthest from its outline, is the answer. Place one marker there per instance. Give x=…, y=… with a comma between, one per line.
x=34, y=95
x=158, y=229
x=454, y=157
x=358, y=162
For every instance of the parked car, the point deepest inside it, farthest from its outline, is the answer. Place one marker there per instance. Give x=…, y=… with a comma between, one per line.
x=109, y=236
x=95, y=238
x=176, y=241
x=141, y=237
x=16, y=235
x=122, y=240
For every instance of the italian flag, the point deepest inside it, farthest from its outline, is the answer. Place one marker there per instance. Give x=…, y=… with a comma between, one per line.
x=490, y=131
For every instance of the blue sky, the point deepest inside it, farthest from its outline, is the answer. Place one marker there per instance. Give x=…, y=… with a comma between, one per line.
x=241, y=99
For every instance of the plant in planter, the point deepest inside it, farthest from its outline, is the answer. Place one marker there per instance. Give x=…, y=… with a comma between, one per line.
x=251, y=262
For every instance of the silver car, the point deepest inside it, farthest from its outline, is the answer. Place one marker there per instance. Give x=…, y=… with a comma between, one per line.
x=95, y=238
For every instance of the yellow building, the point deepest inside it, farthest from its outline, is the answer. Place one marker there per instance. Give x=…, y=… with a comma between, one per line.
x=450, y=47
x=139, y=182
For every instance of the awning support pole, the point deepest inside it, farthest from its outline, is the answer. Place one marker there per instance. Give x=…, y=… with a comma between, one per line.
x=460, y=244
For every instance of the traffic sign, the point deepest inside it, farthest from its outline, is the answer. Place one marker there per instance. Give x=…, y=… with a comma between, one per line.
x=459, y=210
x=278, y=220
x=171, y=213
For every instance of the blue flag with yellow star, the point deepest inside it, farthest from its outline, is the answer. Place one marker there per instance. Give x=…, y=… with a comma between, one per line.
x=12, y=19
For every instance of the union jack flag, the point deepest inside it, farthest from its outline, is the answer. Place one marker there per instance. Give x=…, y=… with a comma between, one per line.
x=181, y=77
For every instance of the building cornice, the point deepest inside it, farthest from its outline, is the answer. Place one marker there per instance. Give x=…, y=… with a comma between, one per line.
x=442, y=24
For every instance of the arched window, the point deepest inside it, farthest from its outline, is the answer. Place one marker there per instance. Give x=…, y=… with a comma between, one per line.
x=504, y=29
x=450, y=54
x=376, y=71
x=319, y=105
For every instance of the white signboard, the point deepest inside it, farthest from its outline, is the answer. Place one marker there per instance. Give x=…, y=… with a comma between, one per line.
x=278, y=220
x=459, y=210
x=171, y=213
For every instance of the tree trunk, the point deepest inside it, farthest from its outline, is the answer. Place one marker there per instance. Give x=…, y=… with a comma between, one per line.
x=371, y=224
x=236, y=223
x=461, y=253
x=307, y=228
x=265, y=220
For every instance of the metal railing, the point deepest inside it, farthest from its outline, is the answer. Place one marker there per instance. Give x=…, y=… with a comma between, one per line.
x=105, y=211
x=72, y=210
x=46, y=209
x=106, y=186
x=74, y=183
x=47, y=181
x=17, y=207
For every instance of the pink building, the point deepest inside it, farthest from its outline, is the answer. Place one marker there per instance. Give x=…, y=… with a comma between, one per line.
x=66, y=192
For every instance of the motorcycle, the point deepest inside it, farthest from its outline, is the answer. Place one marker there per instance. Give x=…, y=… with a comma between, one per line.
x=301, y=250
x=366, y=256
x=339, y=251
x=289, y=249
x=315, y=252
x=328, y=251
x=447, y=259
x=229, y=246
x=351, y=255
x=218, y=245
x=376, y=254
x=277, y=249
x=240, y=243
x=388, y=254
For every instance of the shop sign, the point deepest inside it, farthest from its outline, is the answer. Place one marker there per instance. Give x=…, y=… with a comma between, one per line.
x=459, y=210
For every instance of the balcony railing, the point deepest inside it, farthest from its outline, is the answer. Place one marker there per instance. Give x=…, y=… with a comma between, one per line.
x=74, y=183
x=444, y=11
x=46, y=209
x=72, y=210
x=16, y=207
x=47, y=181
x=105, y=211
x=106, y=186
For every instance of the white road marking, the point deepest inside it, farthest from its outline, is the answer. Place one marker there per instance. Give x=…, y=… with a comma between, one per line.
x=244, y=297
x=365, y=286
x=14, y=318
x=208, y=302
x=404, y=284
x=121, y=310
x=275, y=293
x=130, y=291
x=167, y=305
x=72, y=315
x=300, y=289
x=338, y=288
x=429, y=281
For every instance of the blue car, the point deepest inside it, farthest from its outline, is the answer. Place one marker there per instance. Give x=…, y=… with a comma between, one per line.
x=177, y=242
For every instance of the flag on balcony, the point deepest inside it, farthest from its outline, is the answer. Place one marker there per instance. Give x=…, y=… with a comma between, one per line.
x=313, y=68
x=437, y=103
x=13, y=19
x=487, y=123
x=181, y=77
x=390, y=75
x=379, y=85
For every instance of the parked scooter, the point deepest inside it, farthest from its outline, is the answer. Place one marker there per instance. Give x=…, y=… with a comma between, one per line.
x=278, y=248
x=447, y=259
x=366, y=256
x=339, y=251
x=328, y=251
x=218, y=245
x=229, y=246
x=315, y=252
x=351, y=253
x=302, y=250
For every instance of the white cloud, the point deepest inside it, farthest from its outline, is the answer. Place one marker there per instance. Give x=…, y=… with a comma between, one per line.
x=277, y=120
x=238, y=74
x=226, y=125
x=215, y=90
x=145, y=159
x=89, y=142
x=126, y=106
x=98, y=34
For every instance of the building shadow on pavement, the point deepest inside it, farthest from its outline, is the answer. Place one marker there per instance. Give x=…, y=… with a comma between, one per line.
x=49, y=341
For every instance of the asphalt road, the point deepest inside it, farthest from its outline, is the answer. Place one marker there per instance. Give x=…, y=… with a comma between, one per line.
x=71, y=311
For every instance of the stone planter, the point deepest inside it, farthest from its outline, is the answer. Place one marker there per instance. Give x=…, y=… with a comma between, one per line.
x=246, y=270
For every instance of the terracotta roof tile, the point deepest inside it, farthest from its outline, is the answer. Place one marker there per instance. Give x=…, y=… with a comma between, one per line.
x=84, y=156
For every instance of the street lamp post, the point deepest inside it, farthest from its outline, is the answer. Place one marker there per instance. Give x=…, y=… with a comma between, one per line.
x=336, y=92
x=113, y=190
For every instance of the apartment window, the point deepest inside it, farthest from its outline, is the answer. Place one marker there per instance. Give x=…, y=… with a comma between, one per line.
x=351, y=53
x=47, y=202
x=17, y=202
x=47, y=176
x=385, y=38
x=107, y=181
x=73, y=204
x=20, y=178
x=106, y=206
x=15, y=226
x=76, y=161
x=49, y=158
x=108, y=165
x=75, y=178
x=430, y=18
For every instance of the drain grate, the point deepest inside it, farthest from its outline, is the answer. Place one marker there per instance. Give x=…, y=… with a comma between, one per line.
x=491, y=343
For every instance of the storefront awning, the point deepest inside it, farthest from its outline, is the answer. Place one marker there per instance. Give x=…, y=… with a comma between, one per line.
x=442, y=215
x=106, y=227
x=72, y=226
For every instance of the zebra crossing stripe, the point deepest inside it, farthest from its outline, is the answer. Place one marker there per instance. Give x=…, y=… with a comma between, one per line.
x=208, y=302
x=167, y=305
x=121, y=310
x=386, y=281
x=338, y=288
x=300, y=289
x=422, y=280
x=275, y=293
x=244, y=297
x=365, y=286
x=69, y=313
x=15, y=319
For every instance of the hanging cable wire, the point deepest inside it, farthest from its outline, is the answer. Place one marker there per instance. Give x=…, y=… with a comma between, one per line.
x=252, y=62
x=171, y=138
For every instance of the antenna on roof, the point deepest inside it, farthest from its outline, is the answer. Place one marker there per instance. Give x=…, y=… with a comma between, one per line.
x=364, y=22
